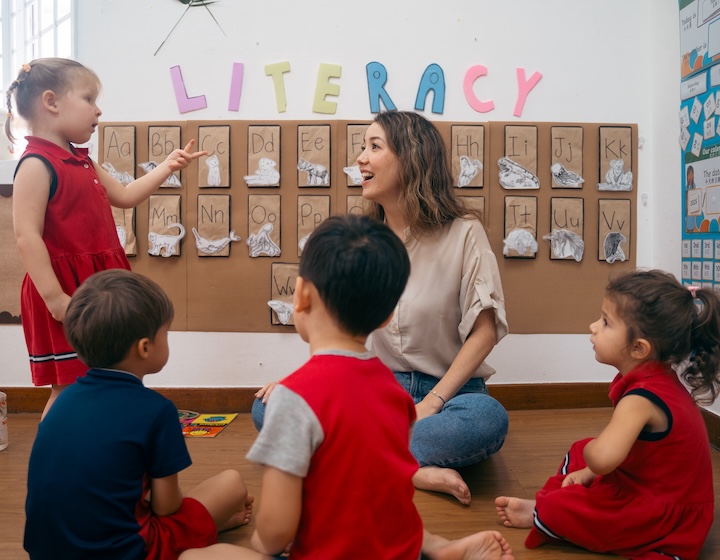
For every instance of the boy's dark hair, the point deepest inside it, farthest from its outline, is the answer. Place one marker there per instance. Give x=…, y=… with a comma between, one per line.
x=111, y=311
x=359, y=267
x=682, y=325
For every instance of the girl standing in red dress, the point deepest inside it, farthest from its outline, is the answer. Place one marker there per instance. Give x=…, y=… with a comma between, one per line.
x=643, y=488
x=62, y=213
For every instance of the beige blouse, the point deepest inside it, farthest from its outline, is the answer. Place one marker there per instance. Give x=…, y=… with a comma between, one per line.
x=453, y=277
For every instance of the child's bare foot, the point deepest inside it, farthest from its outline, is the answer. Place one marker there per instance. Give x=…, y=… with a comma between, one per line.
x=486, y=545
x=515, y=512
x=440, y=479
x=241, y=517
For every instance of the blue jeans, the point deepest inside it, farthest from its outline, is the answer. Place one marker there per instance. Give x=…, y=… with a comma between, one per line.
x=469, y=428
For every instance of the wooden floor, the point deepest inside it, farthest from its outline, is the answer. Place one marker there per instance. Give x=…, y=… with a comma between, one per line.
x=535, y=445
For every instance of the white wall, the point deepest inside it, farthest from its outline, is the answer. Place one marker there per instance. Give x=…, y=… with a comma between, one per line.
x=610, y=61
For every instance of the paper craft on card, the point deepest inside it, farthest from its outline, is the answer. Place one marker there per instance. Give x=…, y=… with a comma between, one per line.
x=614, y=232
x=314, y=158
x=709, y=128
x=282, y=309
x=696, y=110
x=565, y=244
x=685, y=251
x=566, y=164
x=616, y=178
x=686, y=270
x=696, y=270
x=353, y=173
x=469, y=168
x=709, y=106
x=566, y=228
x=164, y=228
x=263, y=217
x=172, y=181
x=694, y=202
x=707, y=270
x=213, y=246
x=213, y=169
x=520, y=227
x=162, y=141
x=283, y=277
x=317, y=174
x=521, y=148
x=263, y=156
x=708, y=249
x=684, y=138
x=520, y=242
x=354, y=135
x=685, y=117
x=166, y=245
x=712, y=202
x=120, y=176
x=354, y=204
x=311, y=211
x=696, y=249
x=260, y=243
x=696, y=144
x=213, y=234
x=515, y=176
x=612, y=245
x=468, y=146
x=564, y=177
x=125, y=227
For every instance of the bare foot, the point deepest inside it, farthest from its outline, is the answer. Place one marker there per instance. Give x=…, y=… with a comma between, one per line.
x=440, y=479
x=241, y=517
x=515, y=512
x=486, y=545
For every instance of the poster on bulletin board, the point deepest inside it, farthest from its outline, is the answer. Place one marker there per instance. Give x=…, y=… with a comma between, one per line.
x=699, y=137
x=699, y=35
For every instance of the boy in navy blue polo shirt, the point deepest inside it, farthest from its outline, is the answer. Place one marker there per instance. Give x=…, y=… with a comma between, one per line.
x=103, y=473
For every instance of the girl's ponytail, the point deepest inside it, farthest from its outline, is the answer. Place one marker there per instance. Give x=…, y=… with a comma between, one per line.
x=701, y=373
x=12, y=89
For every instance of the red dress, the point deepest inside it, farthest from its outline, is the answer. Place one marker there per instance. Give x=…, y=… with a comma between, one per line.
x=658, y=503
x=81, y=238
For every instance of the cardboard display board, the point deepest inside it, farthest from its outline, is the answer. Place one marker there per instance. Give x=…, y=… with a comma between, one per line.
x=547, y=294
x=264, y=187
x=11, y=270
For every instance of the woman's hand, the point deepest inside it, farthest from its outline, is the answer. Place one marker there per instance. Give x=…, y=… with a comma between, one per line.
x=428, y=407
x=265, y=390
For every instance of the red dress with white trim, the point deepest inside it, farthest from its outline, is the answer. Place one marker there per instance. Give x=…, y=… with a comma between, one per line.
x=81, y=239
x=658, y=503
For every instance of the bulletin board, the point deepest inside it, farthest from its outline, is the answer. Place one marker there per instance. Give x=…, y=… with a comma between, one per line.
x=224, y=236
x=699, y=138
x=553, y=292
x=699, y=35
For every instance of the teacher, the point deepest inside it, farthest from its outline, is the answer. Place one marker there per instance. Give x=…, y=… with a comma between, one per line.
x=452, y=312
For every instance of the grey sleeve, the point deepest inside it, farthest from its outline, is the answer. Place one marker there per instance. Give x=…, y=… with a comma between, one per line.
x=290, y=434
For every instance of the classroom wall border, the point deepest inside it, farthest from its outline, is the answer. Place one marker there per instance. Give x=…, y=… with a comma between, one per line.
x=522, y=396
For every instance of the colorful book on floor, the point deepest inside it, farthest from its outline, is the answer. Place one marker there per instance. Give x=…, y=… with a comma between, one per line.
x=195, y=424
